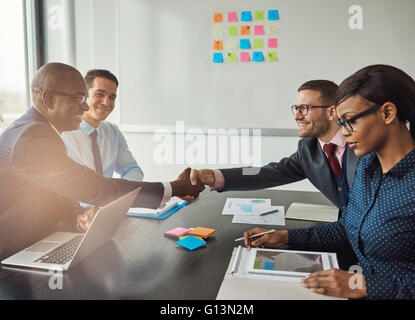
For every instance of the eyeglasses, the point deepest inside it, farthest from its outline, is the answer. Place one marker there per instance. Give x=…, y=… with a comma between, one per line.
x=79, y=98
x=303, y=108
x=347, y=124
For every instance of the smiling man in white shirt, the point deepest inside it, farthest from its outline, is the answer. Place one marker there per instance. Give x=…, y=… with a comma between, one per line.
x=99, y=144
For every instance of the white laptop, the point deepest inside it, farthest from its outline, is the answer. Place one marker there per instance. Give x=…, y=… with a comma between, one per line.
x=62, y=250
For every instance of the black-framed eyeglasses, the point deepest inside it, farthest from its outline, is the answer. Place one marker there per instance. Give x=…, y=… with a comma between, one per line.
x=303, y=108
x=347, y=124
x=78, y=97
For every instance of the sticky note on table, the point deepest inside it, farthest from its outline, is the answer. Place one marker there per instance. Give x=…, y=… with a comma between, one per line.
x=217, y=57
x=201, y=232
x=217, y=17
x=182, y=237
x=246, y=16
x=232, y=44
x=271, y=56
x=244, y=44
x=176, y=232
x=272, y=43
x=259, y=30
x=231, y=57
x=273, y=15
x=245, y=57
x=245, y=30
x=272, y=29
x=191, y=242
x=258, y=56
x=258, y=43
x=218, y=45
x=232, y=17
x=259, y=15
x=233, y=30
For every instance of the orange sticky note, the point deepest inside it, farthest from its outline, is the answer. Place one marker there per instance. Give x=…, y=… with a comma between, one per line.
x=218, y=17
x=201, y=232
x=218, y=45
x=245, y=30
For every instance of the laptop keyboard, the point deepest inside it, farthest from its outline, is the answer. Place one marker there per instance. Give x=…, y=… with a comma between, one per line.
x=63, y=253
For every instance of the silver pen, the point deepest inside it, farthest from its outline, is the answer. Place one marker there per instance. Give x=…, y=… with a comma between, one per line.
x=257, y=235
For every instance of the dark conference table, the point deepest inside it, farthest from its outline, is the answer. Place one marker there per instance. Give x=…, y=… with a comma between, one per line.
x=141, y=263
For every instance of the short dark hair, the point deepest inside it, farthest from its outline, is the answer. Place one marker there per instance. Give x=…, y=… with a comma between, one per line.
x=99, y=73
x=326, y=88
x=379, y=84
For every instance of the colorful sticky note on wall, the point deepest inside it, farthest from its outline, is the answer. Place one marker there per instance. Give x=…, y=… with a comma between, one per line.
x=218, y=45
x=232, y=44
x=246, y=16
x=233, y=30
x=231, y=57
x=218, y=31
x=259, y=15
x=259, y=30
x=217, y=57
x=273, y=15
x=271, y=56
x=272, y=29
x=272, y=43
x=245, y=57
x=245, y=30
x=232, y=17
x=244, y=44
x=258, y=43
x=217, y=17
x=257, y=56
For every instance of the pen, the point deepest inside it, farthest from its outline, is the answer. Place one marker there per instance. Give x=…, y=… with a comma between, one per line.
x=268, y=212
x=257, y=235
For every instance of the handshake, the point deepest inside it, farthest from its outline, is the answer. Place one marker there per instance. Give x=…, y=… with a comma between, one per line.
x=191, y=182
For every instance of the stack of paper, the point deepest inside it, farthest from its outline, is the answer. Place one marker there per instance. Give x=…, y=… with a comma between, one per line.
x=313, y=212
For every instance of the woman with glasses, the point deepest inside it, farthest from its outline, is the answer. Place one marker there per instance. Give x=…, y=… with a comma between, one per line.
x=374, y=106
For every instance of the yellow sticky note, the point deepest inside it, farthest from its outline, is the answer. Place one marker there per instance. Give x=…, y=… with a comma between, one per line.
x=232, y=44
x=272, y=29
x=218, y=31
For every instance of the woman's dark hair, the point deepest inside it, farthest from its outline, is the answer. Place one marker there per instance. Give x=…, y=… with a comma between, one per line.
x=99, y=73
x=379, y=84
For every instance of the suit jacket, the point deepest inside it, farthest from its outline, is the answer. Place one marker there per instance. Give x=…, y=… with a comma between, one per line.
x=41, y=186
x=308, y=162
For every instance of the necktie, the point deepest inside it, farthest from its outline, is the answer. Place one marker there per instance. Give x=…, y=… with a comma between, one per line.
x=330, y=150
x=95, y=152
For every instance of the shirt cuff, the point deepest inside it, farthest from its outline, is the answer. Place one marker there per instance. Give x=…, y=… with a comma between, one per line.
x=219, y=180
x=167, y=193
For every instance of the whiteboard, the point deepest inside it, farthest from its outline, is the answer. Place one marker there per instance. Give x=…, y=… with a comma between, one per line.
x=167, y=73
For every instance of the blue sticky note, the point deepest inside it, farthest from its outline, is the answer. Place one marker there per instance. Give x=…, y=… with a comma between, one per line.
x=217, y=57
x=191, y=242
x=258, y=56
x=244, y=44
x=246, y=16
x=273, y=15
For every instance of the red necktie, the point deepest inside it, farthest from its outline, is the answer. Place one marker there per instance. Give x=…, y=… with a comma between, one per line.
x=330, y=150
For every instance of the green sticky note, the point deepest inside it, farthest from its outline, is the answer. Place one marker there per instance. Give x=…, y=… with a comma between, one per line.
x=258, y=43
x=231, y=57
x=233, y=30
x=259, y=15
x=271, y=56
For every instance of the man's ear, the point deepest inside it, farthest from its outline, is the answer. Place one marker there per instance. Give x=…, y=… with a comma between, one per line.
x=332, y=113
x=388, y=112
x=47, y=99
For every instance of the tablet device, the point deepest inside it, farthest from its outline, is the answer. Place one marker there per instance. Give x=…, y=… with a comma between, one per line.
x=287, y=262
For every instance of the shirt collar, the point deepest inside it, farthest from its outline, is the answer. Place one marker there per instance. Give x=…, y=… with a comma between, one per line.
x=87, y=128
x=338, y=140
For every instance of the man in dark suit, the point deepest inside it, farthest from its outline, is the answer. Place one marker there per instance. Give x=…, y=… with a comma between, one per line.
x=40, y=186
x=322, y=156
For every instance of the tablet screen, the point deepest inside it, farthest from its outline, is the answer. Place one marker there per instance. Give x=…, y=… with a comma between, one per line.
x=288, y=261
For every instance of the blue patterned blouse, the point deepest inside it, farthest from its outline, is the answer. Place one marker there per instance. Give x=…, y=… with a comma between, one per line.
x=379, y=225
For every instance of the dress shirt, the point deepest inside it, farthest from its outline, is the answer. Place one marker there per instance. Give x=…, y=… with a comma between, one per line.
x=115, y=155
x=379, y=225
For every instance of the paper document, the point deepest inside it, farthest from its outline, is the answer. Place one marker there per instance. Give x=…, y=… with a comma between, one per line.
x=274, y=218
x=174, y=201
x=312, y=212
x=245, y=206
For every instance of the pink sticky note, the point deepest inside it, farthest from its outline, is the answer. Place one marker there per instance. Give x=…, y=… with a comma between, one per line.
x=259, y=30
x=245, y=57
x=232, y=17
x=176, y=232
x=272, y=43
